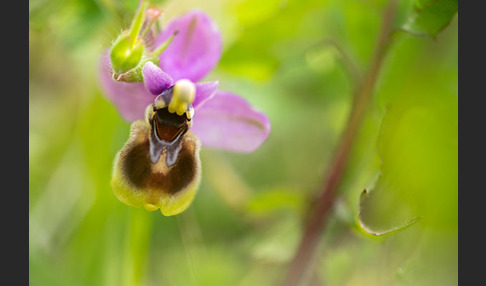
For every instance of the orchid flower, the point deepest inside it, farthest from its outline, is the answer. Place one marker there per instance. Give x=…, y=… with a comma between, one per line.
x=153, y=81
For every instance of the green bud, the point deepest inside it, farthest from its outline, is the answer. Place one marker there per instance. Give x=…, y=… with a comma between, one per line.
x=123, y=57
x=129, y=54
x=128, y=49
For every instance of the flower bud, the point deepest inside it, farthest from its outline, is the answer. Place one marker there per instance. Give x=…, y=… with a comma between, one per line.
x=123, y=57
x=128, y=50
x=134, y=47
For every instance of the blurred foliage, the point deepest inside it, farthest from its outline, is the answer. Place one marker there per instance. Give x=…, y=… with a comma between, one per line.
x=295, y=60
x=430, y=17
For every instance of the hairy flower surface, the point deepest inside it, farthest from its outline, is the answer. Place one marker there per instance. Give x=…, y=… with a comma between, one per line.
x=172, y=113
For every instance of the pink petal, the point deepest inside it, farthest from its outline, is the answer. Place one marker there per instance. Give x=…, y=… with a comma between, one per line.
x=195, y=50
x=155, y=79
x=229, y=122
x=204, y=92
x=130, y=99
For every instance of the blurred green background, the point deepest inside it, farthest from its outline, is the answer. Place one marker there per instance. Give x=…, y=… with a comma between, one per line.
x=246, y=221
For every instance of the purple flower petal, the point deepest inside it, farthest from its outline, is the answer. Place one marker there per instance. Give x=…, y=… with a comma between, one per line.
x=195, y=50
x=155, y=79
x=130, y=99
x=229, y=122
x=204, y=92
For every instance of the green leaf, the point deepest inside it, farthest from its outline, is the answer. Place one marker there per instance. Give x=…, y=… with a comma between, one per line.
x=394, y=229
x=430, y=17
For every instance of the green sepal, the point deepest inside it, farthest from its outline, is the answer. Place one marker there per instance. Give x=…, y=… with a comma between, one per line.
x=135, y=74
x=161, y=48
x=137, y=23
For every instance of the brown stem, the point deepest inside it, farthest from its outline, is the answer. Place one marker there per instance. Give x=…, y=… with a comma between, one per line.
x=301, y=261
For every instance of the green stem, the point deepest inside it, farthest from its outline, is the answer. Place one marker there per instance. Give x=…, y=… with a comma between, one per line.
x=301, y=262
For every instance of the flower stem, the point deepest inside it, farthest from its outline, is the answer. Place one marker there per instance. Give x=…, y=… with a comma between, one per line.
x=301, y=262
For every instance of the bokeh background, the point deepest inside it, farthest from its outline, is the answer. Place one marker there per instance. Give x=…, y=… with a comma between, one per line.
x=286, y=58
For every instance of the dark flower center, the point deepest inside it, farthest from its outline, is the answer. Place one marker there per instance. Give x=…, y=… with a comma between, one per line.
x=169, y=125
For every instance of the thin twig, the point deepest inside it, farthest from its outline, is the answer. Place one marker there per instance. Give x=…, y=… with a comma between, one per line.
x=313, y=230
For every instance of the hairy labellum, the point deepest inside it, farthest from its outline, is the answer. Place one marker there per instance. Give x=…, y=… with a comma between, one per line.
x=159, y=166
